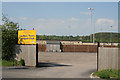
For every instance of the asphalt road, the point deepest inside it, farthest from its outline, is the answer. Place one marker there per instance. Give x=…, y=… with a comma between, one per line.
x=57, y=65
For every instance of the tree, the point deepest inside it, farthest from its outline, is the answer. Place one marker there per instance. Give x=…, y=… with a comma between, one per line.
x=9, y=38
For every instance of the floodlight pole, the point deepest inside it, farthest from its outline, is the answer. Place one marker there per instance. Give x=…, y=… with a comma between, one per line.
x=111, y=35
x=91, y=9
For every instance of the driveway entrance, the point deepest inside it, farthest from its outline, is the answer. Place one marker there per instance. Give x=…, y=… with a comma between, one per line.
x=68, y=64
x=57, y=65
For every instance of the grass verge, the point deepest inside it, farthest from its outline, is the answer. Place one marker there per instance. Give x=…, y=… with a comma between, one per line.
x=13, y=63
x=108, y=73
x=7, y=63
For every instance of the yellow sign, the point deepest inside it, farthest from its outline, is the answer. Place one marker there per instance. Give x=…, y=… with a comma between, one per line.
x=26, y=36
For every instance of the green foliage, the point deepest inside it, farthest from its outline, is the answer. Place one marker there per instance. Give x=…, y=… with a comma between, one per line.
x=54, y=37
x=107, y=37
x=7, y=63
x=0, y=43
x=12, y=63
x=106, y=74
x=9, y=38
x=99, y=37
x=22, y=62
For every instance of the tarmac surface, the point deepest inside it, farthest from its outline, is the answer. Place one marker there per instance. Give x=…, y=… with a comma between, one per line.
x=56, y=65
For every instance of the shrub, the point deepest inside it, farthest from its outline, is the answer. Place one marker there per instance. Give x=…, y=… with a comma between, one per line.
x=22, y=62
x=106, y=74
x=9, y=39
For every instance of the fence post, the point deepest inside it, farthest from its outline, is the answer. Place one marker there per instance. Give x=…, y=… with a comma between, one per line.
x=37, y=55
x=98, y=45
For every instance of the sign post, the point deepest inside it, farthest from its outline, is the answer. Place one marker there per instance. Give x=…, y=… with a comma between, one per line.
x=28, y=47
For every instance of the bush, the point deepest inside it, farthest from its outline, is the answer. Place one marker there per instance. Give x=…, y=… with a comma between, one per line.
x=22, y=62
x=9, y=39
x=106, y=74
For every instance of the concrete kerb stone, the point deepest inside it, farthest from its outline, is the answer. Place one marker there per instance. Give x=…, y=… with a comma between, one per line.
x=18, y=67
x=91, y=76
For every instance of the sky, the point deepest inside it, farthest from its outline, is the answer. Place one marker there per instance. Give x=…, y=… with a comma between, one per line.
x=60, y=0
x=63, y=18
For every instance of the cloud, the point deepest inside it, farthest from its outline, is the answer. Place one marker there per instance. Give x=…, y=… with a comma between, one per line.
x=103, y=24
x=62, y=21
x=50, y=21
x=17, y=18
x=68, y=26
x=41, y=19
x=74, y=19
x=105, y=21
x=85, y=13
x=11, y=18
x=23, y=18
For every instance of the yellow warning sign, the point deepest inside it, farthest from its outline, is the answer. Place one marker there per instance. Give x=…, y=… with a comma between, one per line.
x=26, y=36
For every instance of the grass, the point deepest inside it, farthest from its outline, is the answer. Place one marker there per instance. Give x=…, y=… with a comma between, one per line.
x=7, y=63
x=107, y=74
x=12, y=63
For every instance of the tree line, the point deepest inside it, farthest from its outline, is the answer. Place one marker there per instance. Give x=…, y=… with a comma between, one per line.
x=99, y=37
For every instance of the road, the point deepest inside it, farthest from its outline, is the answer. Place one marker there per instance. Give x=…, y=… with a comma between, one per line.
x=57, y=65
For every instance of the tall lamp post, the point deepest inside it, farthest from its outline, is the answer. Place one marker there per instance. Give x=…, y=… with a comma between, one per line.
x=111, y=35
x=91, y=9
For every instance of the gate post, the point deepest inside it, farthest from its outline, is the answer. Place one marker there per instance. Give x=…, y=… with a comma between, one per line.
x=37, y=55
x=98, y=45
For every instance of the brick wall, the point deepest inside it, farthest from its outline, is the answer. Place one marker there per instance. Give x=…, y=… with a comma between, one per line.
x=79, y=48
x=41, y=47
x=73, y=48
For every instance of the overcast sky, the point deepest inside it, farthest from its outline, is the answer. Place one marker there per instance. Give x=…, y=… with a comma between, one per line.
x=63, y=18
